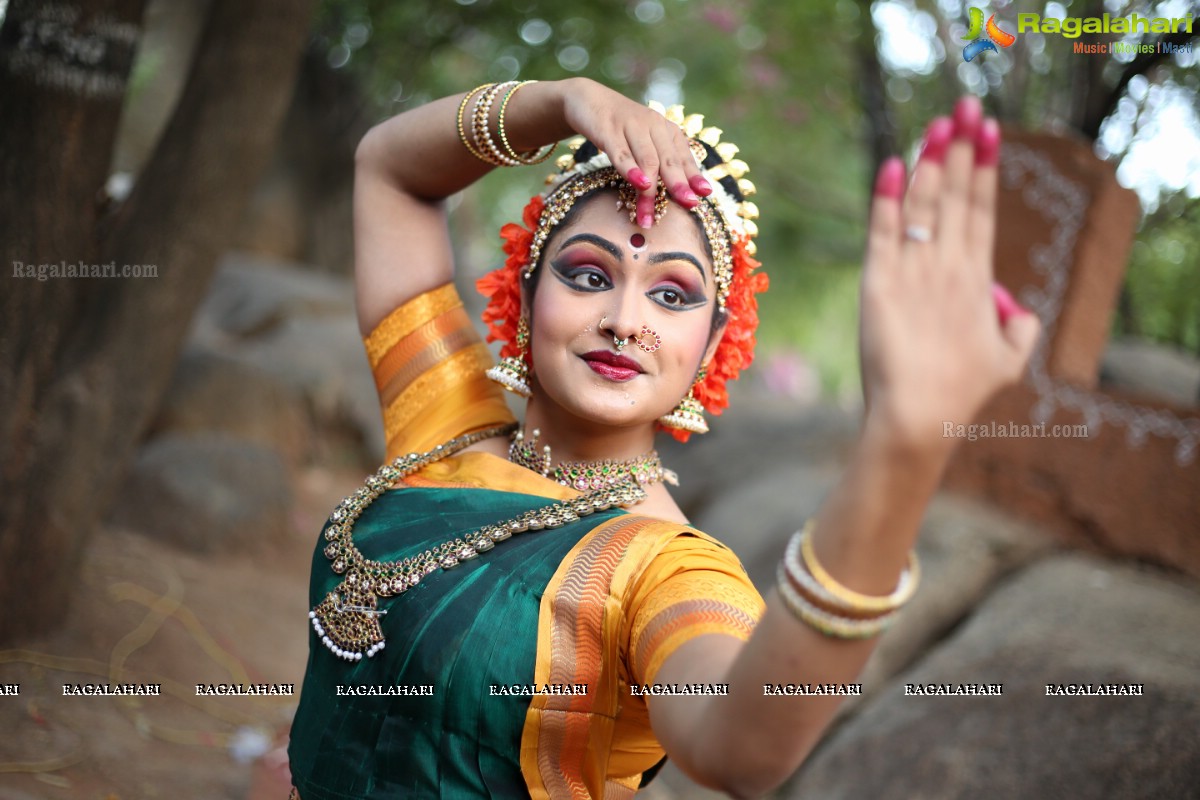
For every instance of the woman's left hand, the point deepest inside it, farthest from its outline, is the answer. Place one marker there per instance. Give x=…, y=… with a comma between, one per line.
x=938, y=338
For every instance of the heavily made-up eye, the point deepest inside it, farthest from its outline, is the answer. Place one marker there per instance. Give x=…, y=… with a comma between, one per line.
x=591, y=280
x=674, y=297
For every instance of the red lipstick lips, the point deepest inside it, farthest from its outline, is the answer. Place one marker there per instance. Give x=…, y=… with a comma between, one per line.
x=611, y=365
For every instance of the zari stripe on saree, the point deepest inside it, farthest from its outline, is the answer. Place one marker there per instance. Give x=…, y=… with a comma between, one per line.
x=559, y=733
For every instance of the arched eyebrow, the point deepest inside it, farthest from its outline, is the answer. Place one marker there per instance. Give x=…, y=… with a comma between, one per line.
x=591, y=238
x=615, y=251
x=658, y=258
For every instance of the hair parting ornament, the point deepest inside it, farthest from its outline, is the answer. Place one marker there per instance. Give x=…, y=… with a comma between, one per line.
x=727, y=217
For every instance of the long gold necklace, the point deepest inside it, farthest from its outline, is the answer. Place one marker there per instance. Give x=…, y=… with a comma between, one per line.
x=347, y=620
x=646, y=469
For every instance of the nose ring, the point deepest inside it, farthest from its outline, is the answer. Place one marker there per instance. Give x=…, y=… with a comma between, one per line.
x=644, y=339
x=617, y=343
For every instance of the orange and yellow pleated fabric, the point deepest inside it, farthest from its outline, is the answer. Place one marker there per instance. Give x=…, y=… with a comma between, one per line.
x=428, y=362
x=627, y=596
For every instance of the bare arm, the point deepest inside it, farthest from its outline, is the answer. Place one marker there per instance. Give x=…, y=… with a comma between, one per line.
x=932, y=352
x=406, y=167
x=748, y=743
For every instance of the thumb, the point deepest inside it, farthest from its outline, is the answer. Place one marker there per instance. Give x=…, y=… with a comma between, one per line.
x=1020, y=332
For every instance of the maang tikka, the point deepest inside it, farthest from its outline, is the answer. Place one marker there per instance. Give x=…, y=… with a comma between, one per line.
x=513, y=371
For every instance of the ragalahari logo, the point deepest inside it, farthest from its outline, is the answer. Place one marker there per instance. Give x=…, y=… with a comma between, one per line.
x=995, y=36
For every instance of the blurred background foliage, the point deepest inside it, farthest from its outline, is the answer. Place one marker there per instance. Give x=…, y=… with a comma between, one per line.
x=815, y=93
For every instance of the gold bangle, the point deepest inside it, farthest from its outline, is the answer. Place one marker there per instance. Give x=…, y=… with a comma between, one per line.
x=462, y=133
x=835, y=594
x=822, y=621
x=479, y=119
x=481, y=125
x=528, y=159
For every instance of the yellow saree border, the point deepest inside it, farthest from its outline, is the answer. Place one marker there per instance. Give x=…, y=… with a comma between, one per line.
x=566, y=740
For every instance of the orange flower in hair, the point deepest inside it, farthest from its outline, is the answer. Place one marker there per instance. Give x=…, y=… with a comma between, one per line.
x=736, y=349
x=502, y=286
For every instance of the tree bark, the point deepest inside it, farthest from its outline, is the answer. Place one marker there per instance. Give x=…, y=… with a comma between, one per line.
x=62, y=82
x=83, y=362
x=881, y=126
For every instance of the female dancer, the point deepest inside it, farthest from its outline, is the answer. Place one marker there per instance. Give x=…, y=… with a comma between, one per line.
x=553, y=626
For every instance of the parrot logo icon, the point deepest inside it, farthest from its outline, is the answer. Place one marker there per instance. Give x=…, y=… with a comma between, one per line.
x=995, y=36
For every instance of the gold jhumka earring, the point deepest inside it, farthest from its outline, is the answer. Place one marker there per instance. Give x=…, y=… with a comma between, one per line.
x=689, y=414
x=513, y=372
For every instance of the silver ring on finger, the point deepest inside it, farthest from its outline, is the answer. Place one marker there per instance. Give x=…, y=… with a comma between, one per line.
x=918, y=233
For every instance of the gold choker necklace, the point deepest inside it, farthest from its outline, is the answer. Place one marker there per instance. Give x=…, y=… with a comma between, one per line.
x=587, y=476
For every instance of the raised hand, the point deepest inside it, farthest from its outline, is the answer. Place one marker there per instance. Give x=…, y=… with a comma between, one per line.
x=938, y=338
x=642, y=144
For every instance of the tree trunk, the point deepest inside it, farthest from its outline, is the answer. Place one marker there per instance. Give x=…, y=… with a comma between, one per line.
x=881, y=127
x=83, y=362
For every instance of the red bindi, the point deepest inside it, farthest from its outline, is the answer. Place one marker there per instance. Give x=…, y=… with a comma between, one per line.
x=637, y=240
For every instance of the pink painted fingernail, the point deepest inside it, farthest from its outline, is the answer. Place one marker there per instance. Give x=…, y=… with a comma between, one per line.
x=684, y=194
x=890, y=180
x=987, y=143
x=937, y=139
x=1006, y=306
x=967, y=113
x=639, y=179
x=701, y=185
x=645, y=211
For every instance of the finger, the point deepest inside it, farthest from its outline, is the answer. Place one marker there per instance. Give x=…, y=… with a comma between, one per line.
x=675, y=157
x=981, y=218
x=644, y=210
x=956, y=177
x=885, y=228
x=921, y=202
x=643, y=173
x=1021, y=334
x=1006, y=306
x=636, y=159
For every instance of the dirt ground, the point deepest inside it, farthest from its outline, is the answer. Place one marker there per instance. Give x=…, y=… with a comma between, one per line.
x=149, y=613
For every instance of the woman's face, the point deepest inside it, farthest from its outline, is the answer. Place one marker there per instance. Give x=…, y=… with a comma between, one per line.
x=600, y=266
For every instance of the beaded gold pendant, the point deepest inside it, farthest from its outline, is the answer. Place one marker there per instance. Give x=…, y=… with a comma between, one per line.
x=347, y=620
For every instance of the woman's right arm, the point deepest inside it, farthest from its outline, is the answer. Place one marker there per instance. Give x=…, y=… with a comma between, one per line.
x=406, y=166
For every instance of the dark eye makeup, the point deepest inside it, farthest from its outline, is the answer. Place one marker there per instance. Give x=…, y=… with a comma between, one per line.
x=578, y=269
x=581, y=275
x=678, y=296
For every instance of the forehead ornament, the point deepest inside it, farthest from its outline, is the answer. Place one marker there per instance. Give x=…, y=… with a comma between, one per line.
x=726, y=215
